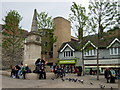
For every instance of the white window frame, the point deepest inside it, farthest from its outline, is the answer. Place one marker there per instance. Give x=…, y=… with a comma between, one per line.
x=112, y=51
x=92, y=52
x=67, y=54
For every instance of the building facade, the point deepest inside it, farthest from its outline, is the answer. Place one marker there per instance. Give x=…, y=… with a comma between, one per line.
x=62, y=32
x=109, y=52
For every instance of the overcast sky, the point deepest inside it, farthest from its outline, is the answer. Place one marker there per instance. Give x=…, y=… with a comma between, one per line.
x=25, y=8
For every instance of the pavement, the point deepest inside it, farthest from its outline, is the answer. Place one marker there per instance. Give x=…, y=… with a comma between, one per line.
x=8, y=82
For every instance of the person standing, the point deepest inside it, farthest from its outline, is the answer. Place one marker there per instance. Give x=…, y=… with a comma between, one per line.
x=63, y=70
x=91, y=71
x=113, y=76
x=107, y=74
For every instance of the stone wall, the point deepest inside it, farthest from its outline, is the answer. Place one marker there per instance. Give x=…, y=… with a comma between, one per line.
x=8, y=61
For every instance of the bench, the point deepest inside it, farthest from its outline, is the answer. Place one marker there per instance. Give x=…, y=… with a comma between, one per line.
x=35, y=76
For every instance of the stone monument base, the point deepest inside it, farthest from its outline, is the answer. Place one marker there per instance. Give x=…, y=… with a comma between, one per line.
x=35, y=76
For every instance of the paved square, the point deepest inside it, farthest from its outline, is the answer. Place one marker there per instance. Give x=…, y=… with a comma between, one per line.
x=8, y=82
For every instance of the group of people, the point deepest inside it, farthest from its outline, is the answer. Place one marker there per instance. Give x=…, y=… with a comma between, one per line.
x=40, y=68
x=110, y=75
x=60, y=70
x=67, y=68
x=19, y=71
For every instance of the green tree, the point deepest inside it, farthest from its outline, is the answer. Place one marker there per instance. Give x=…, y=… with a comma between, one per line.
x=12, y=40
x=45, y=21
x=46, y=27
x=102, y=16
x=78, y=19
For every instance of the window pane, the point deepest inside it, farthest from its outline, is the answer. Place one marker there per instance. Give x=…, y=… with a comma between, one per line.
x=71, y=53
x=115, y=50
x=111, y=50
x=90, y=52
x=95, y=52
x=64, y=54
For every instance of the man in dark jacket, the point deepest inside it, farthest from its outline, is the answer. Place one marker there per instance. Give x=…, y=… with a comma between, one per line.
x=42, y=73
x=107, y=74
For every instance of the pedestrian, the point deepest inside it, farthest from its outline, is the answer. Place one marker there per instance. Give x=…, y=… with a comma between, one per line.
x=79, y=70
x=75, y=70
x=107, y=74
x=113, y=75
x=63, y=70
x=42, y=61
x=91, y=71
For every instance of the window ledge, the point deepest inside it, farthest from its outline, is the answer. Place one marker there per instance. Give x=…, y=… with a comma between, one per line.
x=114, y=54
x=91, y=56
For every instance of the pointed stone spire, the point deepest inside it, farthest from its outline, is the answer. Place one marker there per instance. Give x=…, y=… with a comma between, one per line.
x=34, y=26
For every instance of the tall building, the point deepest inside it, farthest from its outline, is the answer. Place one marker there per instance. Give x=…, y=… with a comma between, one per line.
x=63, y=33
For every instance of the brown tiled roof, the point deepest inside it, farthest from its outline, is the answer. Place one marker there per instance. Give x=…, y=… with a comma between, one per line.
x=103, y=42
x=73, y=44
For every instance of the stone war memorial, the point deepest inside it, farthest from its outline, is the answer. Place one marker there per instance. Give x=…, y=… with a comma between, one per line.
x=32, y=49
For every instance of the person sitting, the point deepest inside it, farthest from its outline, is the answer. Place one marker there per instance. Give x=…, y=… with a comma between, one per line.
x=26, y=70
x=20, y=72
x=17, y=68
x=37, y=65
x=13, y=72
x=42, y=72
x=38, y=62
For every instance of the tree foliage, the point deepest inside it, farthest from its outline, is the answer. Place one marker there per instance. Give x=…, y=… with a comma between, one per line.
x=78, y=18
x=45, y=21
x=103, y=15
x=46, y=26
x=12, y=33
